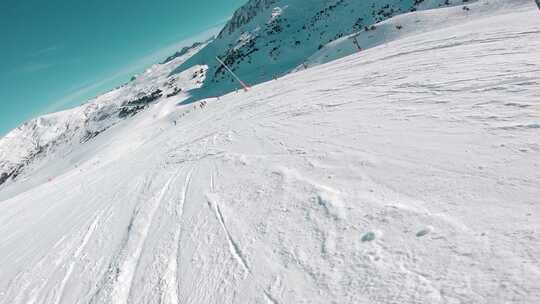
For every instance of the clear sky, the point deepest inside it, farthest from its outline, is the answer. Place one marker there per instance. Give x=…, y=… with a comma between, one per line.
x=56, y=54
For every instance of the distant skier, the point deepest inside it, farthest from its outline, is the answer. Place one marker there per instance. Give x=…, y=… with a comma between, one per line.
x=538, y=3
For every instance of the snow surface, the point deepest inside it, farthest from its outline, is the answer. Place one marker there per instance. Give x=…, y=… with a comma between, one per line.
x=407, y=173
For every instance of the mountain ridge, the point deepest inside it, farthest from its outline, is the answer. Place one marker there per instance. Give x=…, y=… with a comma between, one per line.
x=32, y=140
x=266, y=39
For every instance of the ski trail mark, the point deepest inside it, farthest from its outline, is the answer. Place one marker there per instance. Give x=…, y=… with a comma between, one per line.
x=171, y=275
x=76, y=255
x=140, y=228
x=212, y=185
x=269, y=298
x=213, y=176
x=233, y=246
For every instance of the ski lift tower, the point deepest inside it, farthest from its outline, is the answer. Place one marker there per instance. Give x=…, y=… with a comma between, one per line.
x=357, y=44
x=243, y=84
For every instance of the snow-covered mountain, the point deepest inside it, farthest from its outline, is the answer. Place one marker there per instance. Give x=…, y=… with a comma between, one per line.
x=404, y=173
x=268, y=38
x=59, y=132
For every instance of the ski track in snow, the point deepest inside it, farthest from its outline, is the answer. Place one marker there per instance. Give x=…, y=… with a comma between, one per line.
x=76, y=255
x=269, y=298
x=234, y=248
x=171, y=272
x=135, y=244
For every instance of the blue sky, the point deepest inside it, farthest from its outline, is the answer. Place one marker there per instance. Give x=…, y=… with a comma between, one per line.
x=56, y=54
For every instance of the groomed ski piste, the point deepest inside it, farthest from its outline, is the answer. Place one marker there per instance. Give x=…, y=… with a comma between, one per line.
x=405, y=173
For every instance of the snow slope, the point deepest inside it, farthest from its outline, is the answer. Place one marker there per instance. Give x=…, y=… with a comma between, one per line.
x=408, y=173
x=402, y=26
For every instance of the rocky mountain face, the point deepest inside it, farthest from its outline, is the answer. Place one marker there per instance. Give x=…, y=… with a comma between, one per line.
x=268, y=38
x=244, y=15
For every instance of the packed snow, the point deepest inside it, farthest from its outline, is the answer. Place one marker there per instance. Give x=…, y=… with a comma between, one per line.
x=405, y=173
